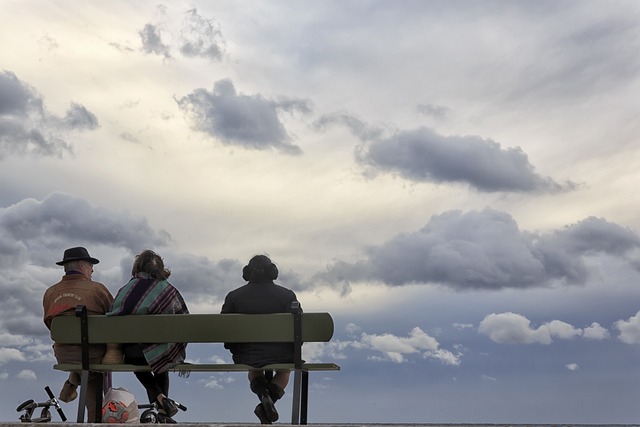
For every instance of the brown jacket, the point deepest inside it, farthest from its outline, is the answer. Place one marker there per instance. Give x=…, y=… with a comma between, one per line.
x=73, y=290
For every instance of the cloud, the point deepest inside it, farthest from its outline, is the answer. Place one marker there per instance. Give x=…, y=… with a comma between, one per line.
x=585, y=59
x=201, y=37
x=361, y=129
x=27, y=375
x=151, y=38
x=629, y=329
x=562, y=330
x=79, y=118
x=484, y=250
x=394, y=348
x=199, y=278
x=43, y=227
x=352, y=328
x=17, y=97
x=217, y=382
x=436, y=111
x=27, y=128
x=595, y=332
x=462, y=326
x=421, y=155
x=33, y=234
x=512, y=328
x=9, y=354
x=572, y=366
x=196, y=37
x=387, y=347
x=489, y=378
x=248, y=121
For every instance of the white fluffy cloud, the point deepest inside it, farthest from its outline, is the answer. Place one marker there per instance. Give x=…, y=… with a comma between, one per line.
x=395, y=348
x=629, y=329
x=386, y=347
x=595, y=332
x=516, y=329
x=9, y=354
x=27, y=374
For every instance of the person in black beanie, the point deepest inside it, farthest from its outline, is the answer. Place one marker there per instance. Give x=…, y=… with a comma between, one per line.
x=262, y=296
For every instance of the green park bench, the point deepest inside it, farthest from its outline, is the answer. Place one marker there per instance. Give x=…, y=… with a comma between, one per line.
x=295, y=327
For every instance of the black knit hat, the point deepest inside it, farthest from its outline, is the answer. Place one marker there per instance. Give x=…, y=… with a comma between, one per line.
x=77, y=254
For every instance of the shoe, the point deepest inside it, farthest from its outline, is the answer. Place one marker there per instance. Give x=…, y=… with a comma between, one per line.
x=260, y=386
x=259, y=411
x=269, y=408
x=167, y=406
x=164, y=419
x=68, y=392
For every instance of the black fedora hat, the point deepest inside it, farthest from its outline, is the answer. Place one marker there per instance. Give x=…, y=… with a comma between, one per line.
x=77, y=254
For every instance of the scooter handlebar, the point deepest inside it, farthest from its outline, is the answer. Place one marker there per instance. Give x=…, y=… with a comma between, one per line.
x=55, y=403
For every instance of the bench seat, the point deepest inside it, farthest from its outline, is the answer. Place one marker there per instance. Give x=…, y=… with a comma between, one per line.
x=204, y=367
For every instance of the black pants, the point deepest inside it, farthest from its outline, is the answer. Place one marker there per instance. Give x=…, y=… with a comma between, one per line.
x=154, y=384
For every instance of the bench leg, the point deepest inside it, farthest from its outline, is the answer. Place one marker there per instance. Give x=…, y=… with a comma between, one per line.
x=84, y=380
x=99, y=393
x=82, y=401
x=295, y=406
x=304, y=398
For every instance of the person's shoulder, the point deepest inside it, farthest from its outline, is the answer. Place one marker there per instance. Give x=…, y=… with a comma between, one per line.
x=101, y=286
x=238, y=290
x=284, y=290
x=98, y=284
x=52, y=287
x=282, y=287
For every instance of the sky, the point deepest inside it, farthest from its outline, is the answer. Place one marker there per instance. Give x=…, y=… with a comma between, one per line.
x=456, y=182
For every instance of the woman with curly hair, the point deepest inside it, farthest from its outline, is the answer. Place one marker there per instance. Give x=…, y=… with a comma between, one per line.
x=149, y=292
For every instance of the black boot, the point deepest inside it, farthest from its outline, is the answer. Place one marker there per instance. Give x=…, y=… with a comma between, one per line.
x=266, y=410
x=275, y=392
x=259, y=411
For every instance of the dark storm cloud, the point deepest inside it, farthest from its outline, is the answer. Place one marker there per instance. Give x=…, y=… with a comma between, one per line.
x=422, y=155
x=41, y=228
x=26, y=128
x=249, y=121
x=486, y=250
x=201, y=37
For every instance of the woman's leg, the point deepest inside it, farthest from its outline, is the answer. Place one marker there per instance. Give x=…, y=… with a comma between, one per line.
x=133, y=355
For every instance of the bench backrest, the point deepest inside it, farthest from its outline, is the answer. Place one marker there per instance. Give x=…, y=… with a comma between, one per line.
x=193, y=328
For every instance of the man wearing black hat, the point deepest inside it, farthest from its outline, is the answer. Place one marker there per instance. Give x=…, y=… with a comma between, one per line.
x=77, y=288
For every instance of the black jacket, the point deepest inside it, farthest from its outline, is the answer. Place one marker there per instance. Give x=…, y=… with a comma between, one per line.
x=263, y=297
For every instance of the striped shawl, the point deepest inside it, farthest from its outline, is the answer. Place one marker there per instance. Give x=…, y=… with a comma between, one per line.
x=146, y=295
